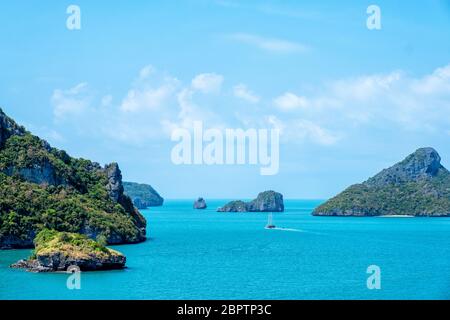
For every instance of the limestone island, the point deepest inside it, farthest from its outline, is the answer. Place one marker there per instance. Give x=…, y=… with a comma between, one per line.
x=143, y=195
x=42, y=187
x=267, y=201
x=417, y=186
x=57, y=251
x=200, y=204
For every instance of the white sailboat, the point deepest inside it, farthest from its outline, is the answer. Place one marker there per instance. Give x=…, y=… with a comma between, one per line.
x=270, y=224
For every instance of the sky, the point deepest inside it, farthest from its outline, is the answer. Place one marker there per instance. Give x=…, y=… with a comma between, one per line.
x=347, y=101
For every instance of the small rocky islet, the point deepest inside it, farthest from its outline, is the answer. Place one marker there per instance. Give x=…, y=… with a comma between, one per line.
x=267, y=201
x=200, y=204
x=58, y=251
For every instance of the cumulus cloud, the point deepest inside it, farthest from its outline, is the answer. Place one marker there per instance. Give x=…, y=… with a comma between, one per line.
x=289, y=101
x=69, y=102
x=149, y=93
x=394, y=100
x=269, y=44
x=207, y=82
x=325, y=115
x=242, y=92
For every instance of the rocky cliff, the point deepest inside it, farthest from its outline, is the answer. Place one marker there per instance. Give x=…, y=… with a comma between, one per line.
x=143, y=195
x=268, y=201
x=419, y=185
x=41, y=186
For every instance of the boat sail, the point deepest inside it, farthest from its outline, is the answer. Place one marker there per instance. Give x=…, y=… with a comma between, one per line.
x=270, y=224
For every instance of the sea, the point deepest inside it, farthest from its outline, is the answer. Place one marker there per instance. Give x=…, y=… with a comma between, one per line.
x=202, y=254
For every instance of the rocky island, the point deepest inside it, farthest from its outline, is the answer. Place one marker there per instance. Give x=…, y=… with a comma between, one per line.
x=200, y=204
x=417, y=186
x=44, y=188
x=143, y=195
x=57, y=251
x=267, y=201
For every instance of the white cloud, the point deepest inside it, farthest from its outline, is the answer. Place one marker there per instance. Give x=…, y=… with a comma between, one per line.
x=207, y=82
x=325, y=115
x=269, y=44
x=70, y=102
x=436, y=83
x=149, y=92
x=146, y=72
x=290, y=101
x=241, y=91
x=147, y=99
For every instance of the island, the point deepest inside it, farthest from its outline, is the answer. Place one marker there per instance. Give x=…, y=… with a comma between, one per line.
x=143, y=195
x=57, y=251
x=267, y=201
x=42, y=187
x=417, y=186
x=200, y=204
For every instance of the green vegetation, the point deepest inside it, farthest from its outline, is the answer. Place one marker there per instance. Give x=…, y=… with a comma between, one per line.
x=234, y=206
x=69, y=195
x=426, y=197
x=50, y=241
x=143, y=195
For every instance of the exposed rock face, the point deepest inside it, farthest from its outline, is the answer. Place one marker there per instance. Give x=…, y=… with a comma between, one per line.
x=57, y=251
x=268, y=201
x=114, y=186
x=58, y=261
x=418, y=186
x=42, y=173
x=425, y=163
x=200, y=204
x=143, y=195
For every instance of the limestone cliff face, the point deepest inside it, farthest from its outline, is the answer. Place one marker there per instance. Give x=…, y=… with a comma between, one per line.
x=39, y=173
x=53, y=189
x=419, y=186
x=267, y=201
x=423, y=164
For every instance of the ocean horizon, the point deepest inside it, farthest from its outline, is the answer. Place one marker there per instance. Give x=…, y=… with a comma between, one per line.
x=202, y=254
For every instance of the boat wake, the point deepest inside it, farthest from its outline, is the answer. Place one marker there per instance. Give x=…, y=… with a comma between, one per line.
x=286, y=229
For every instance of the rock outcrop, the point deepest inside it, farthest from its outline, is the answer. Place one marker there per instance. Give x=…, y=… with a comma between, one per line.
x=200, y=204
x=268, y=201
x=8, y=128
x=418, y=186
x=143, y=195
x=58, y=251
x=41, y=186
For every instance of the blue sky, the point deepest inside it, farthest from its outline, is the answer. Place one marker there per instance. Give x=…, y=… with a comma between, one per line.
x=349, y=101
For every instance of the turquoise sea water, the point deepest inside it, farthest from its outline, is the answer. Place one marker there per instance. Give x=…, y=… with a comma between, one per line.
x=207, y=255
